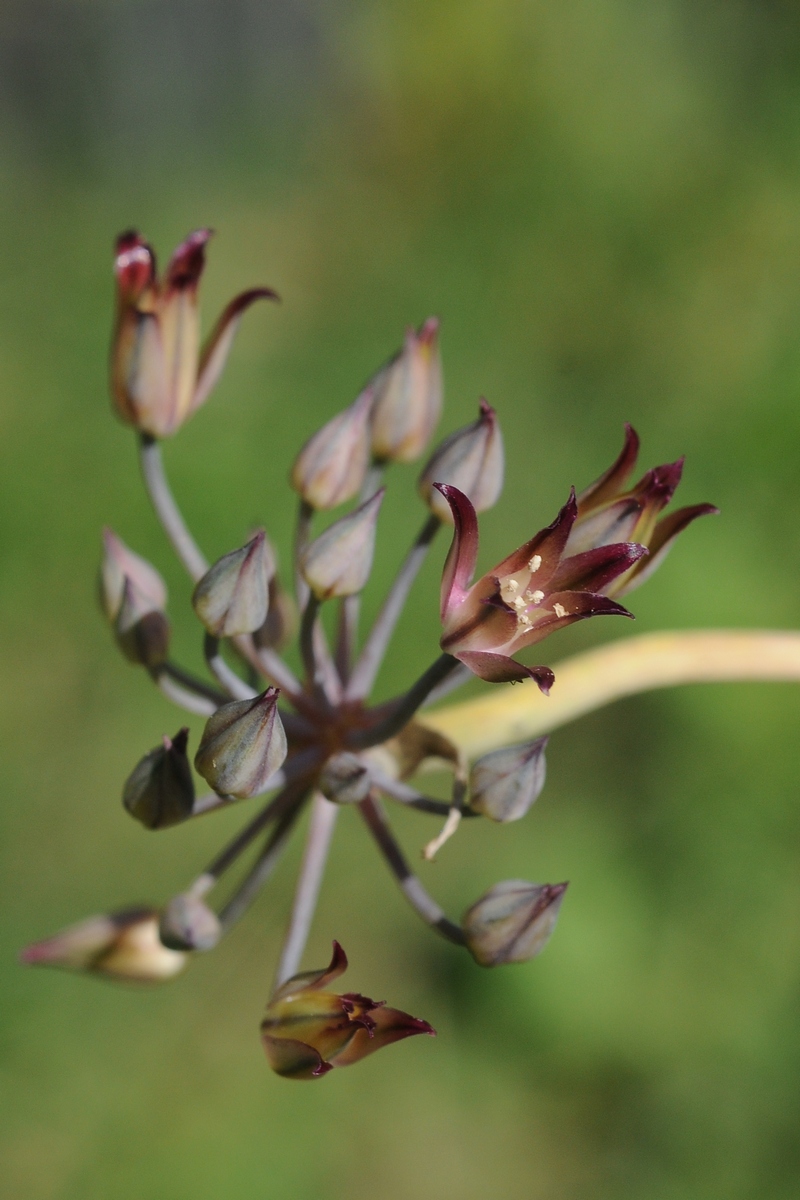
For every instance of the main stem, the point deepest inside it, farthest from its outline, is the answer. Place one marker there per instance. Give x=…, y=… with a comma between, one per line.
x=623, y=668
x=167, y=510
x=318, y=842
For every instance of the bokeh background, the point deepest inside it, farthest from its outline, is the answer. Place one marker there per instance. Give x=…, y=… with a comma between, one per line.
x=601, y=198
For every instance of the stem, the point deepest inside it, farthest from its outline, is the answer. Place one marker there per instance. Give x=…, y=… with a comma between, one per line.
x=455, y=680
x=320, y=671
x=190, y=701
x=199, y=686
x=276, y=670
x=224, y=674
x=394, y=715
x=261, y=870
x=623, y=668
x=167, y=510
x=409, y=796
x=350, y=609
x=320, y=832
x=368, y=665
x=424, y=904
x=305, y=514
x=237, y=846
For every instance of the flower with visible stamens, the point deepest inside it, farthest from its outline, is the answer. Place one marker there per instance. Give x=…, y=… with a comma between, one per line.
x=160, y=374
x=408, y=397
x=121, y=945
x=471, y=459
x=529, y=595
x=607, y=513
x=308, y=1030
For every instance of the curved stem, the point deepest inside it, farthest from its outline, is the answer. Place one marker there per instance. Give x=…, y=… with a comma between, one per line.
x=318, y=842
x=623, y=668
x=396, y=790
x=391, y=717
x=191, y=701
x=167, y=510
x=424, y=904
x=368, y=665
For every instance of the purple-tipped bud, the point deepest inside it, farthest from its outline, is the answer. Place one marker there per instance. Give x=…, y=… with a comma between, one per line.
x=159, y=791
x=120, y=563
x=408, y=397
x=233, y=595
x=345, y=779
x=505, y=783
x=142, y=631
x=332, y=465
x=189, y=924
x=121, y=945
x=242, y=746
x=470, y=459
x=281, y=620
x=512, y=922
x=339, y=561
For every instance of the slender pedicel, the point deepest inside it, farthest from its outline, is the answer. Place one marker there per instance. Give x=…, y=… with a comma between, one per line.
x=378, y=825
x=167, y=510
x=392, y=717
x=235, y=687
x=262, y=868
x=315, y=856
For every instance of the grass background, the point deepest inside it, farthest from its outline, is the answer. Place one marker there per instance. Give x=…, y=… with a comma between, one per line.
x=601, y=198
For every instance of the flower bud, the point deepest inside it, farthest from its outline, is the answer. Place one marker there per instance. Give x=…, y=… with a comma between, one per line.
x=505, y=783
x=189, y=924
x=121, y=945
x=142, y=631
x=233, y=595
x=308, y=1030
x=345, y=779
x=120, y=563
x=159, y=791
x=339, y=561
x=512, y=922
x=408, y=397
x=332, y=465
x=470, y=459
x=242, y=746
x=281, y=619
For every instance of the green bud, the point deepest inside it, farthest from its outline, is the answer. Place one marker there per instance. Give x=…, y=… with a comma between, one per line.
x=242, y=746
x=505, y=783
x=345, y=779
x=339, y=561
x=120, y=563
x=189, y=924
x=332, y=465
x=159, y=791
x=512, y=922
x=233, y=595
x=470, y=459
x=142, y=631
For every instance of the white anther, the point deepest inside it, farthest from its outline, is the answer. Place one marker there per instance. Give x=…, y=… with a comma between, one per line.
x=513, y=585
x=535, y=597
x=535, y=563
x=559, y=610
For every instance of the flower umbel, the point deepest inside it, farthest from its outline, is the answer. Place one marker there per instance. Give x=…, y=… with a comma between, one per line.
x=313, y=741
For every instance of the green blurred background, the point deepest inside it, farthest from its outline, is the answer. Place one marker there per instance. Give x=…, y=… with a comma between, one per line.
x=601, y=198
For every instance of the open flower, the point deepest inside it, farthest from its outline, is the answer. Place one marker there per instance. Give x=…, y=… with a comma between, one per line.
x=307, y=1031
x=607, y=513
x=160, y=375
x=526, y=597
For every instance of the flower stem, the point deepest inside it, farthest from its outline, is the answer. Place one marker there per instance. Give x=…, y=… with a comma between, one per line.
x=190, y=700
x=368, y=665
x=320, y=832
x=230, y=681
x=393, y=716
x=424, y=904
x=167, y=510
x=261, y=869
x=624, y=668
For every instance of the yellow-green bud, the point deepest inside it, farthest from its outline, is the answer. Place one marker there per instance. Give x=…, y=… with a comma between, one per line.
x=243, y=745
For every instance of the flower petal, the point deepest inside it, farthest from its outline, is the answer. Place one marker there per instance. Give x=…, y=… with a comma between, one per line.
x=568, y=607
x=462, y=556
x=592, y=570
x=548, y=545
x=294, y=1060
x=390, y=1025
x=314, y=979
x=218, y=344
x=498, y=668
x=661, y=542
x=188, y=262
x=134, y=266
x=611, y=483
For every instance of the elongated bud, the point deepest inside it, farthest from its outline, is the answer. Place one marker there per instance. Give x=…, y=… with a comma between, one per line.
x=470, y=459
x=189, y=924
x=242, y=746
x=120, y=563
x=512, y=922
x=505, y=783
x=233, y=595
x=281, y=620
x=408, y=397
x=121, y=945
x=332, y=465
x=339, y=561
x=345, y=779
x=159, y=791
x=142, y=631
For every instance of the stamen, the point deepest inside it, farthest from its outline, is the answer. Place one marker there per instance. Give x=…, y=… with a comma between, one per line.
x=534, y=597
x=535, y=563
x=559, y=610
